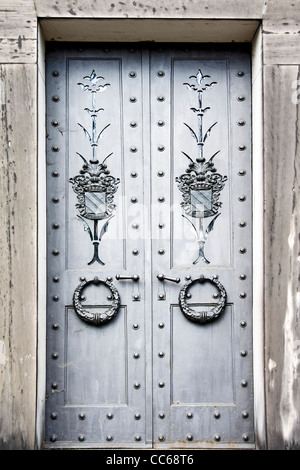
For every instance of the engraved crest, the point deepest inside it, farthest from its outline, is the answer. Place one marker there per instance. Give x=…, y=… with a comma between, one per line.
x=94, y=186
x=201, y=184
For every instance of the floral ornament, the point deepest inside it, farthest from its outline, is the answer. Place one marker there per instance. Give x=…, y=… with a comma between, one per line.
x=94, y=186
x=201, y=184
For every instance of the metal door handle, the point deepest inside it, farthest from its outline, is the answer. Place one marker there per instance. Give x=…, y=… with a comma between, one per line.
x=162, y=277
x=133, y=278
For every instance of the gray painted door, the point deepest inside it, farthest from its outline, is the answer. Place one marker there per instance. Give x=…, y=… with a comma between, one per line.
x=149, y=320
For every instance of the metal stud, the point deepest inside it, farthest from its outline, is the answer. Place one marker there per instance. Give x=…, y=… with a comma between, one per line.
x=135, y=326
x=243, y=224
x=55, y=174
x=53, y=415
x=137, y=416
x=245, y=437
x=133, y=124
x=161, y=415
x=243, y=295
x=189, y=415
x=132, y=74
x=160, y=123
x=241, y=98
x=134, y=200
x=244, y=383
x=137, y=385
x=243, y=324
x=55, y=98
x=241, y=122
x=109, y=438
x=109, y=416
x=135, y=226
x=242, y=147
x=137, y=438
x=161, y=325
x=160, y=73
x=81, y=416
x=53, y=437
x=54, y=148
x=55, y=298
x=160, y=173
x=161, y=225
x=55, y=326
x=161, y=438
x=161, y=297
x=55, y=252
x=161, y=199
x=133, y=149
x=136, y=297
x=188, y=277
x=242, y=198
x=217, y=437
x=242, y=250
x=189, y=437
x=161, y=354
x=135, y=252
x=133, y=99
x=136, y=356
x=217, y=415
x=54, y=385
x=133, y=174
x=55, y=226
x=161, y=384
x=243, y=277
x=56, y=279
x=245, y=414
x=161, y=148
x=242, y=172
x=55, y=73
x=160, y=98
x=161, y=252
x=240, y=73
x=54, y=123
x=244, y=353
x=55, y=200
x=54, y=355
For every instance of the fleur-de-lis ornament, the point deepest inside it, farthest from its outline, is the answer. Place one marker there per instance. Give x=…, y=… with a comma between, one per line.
x=201, y=184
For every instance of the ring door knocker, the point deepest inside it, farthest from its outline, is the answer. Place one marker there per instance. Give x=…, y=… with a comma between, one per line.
x=96, y=318
x=204, y=316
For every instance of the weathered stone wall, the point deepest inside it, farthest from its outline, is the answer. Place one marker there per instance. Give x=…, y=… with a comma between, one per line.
x=18, y=195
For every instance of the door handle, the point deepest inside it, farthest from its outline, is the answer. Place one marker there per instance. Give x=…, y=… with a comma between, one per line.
x=162, y=277
x=133, y=278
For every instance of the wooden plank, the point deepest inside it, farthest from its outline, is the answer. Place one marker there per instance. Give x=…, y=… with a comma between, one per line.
x=154, y=9
x=282, y=226
x=281, y=49
x=18, y=32
x=126, y=30
x=18, y=251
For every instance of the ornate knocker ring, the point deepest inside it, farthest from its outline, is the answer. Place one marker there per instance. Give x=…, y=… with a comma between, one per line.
x=96, y=318
x=204, y=316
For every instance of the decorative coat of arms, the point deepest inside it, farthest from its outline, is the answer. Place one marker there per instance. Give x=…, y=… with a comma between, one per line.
x=94, y=186
x=201, y=184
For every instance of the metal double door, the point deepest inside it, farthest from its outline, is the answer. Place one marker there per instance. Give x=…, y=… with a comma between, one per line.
x=149, y=255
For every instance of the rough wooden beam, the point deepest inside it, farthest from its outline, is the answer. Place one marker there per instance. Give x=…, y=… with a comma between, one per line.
x=282, y=247
x=18, y=251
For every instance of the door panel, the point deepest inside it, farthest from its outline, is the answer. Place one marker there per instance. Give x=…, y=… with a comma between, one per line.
x=149, y=315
